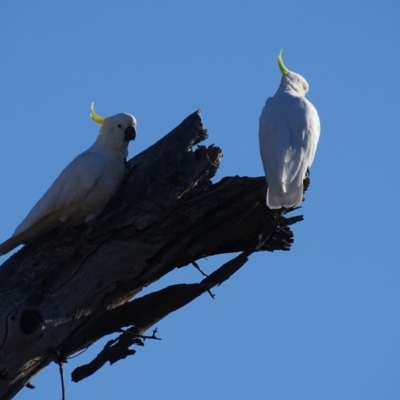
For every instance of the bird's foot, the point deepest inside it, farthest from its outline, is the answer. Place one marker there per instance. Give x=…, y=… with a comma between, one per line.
x=68, y=230
x=92, y=226
x=94, y=223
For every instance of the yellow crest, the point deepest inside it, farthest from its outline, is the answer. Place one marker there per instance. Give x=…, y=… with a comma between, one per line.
x=95, y=117
x=282, y=67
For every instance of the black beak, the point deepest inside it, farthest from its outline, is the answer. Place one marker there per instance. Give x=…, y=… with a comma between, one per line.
x=130, y=133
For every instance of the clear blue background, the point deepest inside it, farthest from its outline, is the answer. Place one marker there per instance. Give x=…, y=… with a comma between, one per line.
x=319, y=322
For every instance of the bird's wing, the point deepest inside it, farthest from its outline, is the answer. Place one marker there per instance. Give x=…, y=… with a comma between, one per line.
x=71, y=187
x=304, y=130
x=274, y=142
x=289, y=133
x=314, y=127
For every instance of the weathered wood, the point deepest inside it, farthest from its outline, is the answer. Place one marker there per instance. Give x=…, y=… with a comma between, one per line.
x=59, y=294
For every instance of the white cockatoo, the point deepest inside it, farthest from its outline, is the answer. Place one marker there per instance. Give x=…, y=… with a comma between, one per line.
x=288, y=132
x=85, y=186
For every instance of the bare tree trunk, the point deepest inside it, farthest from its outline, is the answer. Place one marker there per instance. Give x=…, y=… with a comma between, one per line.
x=60, y=294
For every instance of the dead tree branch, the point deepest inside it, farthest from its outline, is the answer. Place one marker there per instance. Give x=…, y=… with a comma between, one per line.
x=59, y=295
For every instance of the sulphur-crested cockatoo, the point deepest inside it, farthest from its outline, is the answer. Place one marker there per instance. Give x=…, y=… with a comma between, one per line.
x=288, y=132
x=85, y=186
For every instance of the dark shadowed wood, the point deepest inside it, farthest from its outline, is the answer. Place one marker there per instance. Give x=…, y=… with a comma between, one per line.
x=61, y=293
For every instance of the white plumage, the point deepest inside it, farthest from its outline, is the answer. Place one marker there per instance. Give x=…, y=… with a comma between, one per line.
x=289, y=131
x=85, y=186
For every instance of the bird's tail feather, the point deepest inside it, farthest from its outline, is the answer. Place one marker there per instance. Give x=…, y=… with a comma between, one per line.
x=278, y=199
x=9, y=245
x=46, y=224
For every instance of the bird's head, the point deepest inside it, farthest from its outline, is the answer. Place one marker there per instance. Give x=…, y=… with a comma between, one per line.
x=292, y=80
x=116, y=131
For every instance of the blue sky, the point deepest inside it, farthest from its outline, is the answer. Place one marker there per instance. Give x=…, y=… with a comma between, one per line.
x=319, y=322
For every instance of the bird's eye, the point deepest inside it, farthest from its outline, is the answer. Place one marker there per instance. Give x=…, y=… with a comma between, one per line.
x=119, y=126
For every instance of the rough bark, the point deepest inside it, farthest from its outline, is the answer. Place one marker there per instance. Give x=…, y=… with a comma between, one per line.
x=62, y=292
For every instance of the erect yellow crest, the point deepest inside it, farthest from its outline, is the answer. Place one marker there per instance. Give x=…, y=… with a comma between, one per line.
x=282, y=67
x=95, y=117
